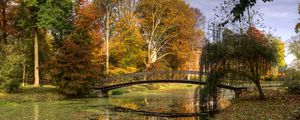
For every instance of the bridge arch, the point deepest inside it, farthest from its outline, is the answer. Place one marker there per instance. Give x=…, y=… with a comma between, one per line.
x=183, y=77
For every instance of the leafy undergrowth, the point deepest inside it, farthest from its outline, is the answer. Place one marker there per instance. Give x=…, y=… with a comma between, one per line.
x=279, y=105
x=32, y=94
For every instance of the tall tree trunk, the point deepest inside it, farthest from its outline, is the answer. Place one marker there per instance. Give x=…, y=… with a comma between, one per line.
x=4, y=30
x=36, y=60
x=4, y=21
x=107, y=40
x=24, y=74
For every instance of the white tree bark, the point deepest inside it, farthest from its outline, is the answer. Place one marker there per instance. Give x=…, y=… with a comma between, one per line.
x=36, y=61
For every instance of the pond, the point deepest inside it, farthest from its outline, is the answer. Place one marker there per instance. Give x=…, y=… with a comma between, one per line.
x=130, y=106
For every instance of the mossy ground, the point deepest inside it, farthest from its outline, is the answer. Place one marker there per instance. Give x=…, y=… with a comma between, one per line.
x=32, y=94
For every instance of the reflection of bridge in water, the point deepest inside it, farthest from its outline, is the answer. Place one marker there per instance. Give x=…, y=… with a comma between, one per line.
x=186, y=77
x=159, y=114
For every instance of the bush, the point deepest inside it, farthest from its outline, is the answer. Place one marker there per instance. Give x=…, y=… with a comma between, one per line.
x=116, y=92
x=74, y=75
x=12, y=86
x=10, y=67
x=292, y=80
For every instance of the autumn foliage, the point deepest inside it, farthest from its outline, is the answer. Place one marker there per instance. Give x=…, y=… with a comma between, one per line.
x=79, y=62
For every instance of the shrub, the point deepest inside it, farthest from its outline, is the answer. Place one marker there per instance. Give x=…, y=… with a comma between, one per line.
x=10, y=67
x=73, y=70
x=292, y=80
x=116, y=92
x=12, y=86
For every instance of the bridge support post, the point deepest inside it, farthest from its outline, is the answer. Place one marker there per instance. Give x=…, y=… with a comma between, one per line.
x=102, y=93
x=237, y=93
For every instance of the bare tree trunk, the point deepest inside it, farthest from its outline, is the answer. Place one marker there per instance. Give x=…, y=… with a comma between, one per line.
x=4, y=30
x=36, y=61
x=107, y=40
x=261, y=94
x=24, y=74
x=4, y=20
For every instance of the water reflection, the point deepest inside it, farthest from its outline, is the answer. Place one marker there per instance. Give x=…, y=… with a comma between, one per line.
x=173, y=101
x=168, y=102
x=36, y=111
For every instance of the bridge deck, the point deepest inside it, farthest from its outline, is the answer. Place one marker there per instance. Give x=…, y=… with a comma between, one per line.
x=111, y=87
x=187, y=77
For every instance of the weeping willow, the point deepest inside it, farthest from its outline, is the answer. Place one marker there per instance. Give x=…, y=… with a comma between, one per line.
x=235, y=59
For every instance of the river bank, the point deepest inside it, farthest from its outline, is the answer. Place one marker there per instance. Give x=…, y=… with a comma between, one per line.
x=32, y=94
x=279, y=105
x=50, y=93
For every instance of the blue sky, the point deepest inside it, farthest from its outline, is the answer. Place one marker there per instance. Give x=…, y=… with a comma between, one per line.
x=280, y=15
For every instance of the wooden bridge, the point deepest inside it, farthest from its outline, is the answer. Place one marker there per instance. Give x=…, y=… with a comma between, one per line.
x=187, y=77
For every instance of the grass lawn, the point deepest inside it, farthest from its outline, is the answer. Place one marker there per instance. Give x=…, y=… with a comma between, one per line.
x=32, y=94
x=279, y=105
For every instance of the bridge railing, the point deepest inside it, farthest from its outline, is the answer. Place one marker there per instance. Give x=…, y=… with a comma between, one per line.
x=150, y=76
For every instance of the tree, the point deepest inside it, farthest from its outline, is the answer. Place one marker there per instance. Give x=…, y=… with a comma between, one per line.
x=78, y=63
x=294, y=48
x=108, y=7
x=10, y=67
x=127, y=47
x=241, y=6
x=249, y=53
x=239, y=54
x=186, y=45
x=41, y=16
x=117, y=14
x=153, y=28
x=292, y=79
x=8, y=10
x=164, y=25
x=277, y=68
x=280, y=46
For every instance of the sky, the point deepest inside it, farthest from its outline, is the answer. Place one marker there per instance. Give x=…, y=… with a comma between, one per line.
x=280, y=15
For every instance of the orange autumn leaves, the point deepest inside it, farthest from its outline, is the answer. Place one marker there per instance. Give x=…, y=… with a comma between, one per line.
x=88, y=19
x=257, y=35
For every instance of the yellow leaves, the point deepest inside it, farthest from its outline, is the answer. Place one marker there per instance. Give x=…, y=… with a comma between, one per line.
x=280, y=52
x=257, y=35
x=223, y=103
x=120, y=71
x=127, y=45
x=131, y=106
x=170, y=28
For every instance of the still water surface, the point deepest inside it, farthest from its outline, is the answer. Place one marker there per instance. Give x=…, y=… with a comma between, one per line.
x=164, y=101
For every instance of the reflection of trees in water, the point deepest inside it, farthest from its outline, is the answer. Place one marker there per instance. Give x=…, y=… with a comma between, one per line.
x=36, y=111
x=173, y=102
x=158, y=104
x=208, y=104
x=112, y=115
x=183, y=104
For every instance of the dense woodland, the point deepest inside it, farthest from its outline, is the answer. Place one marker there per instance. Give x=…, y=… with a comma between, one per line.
x=71, y=43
